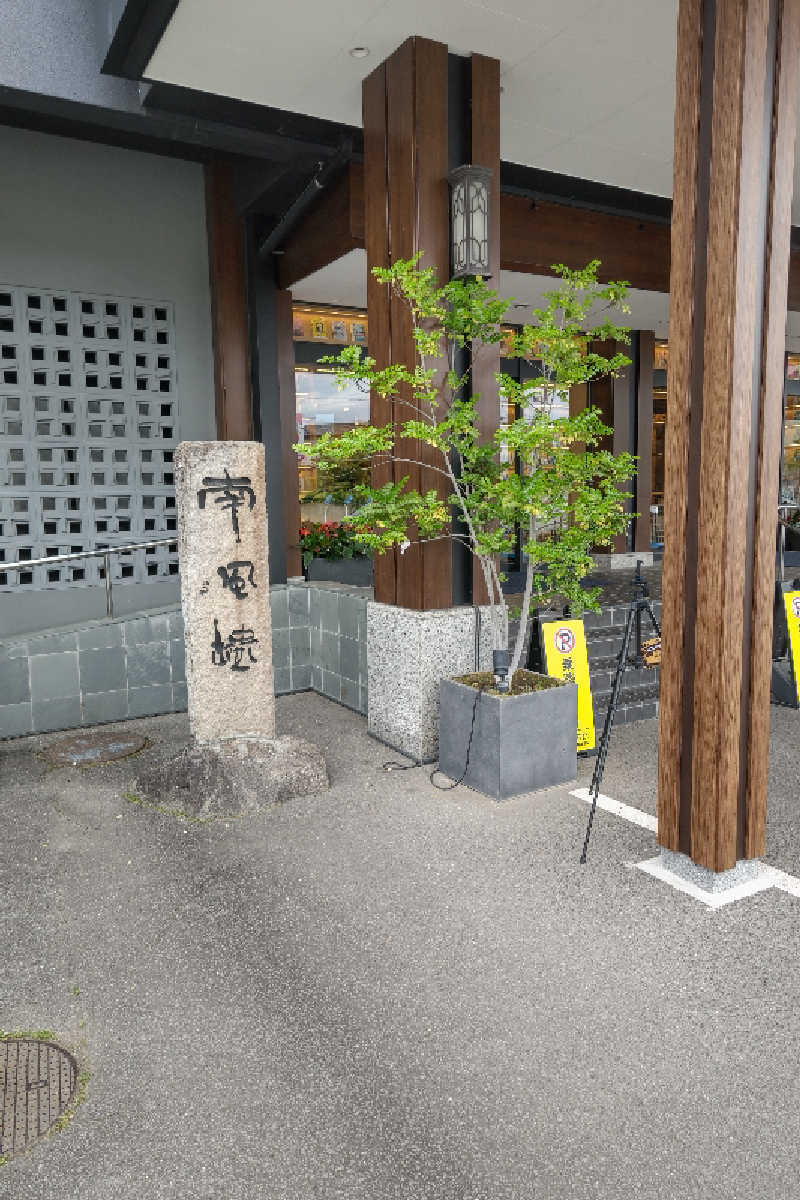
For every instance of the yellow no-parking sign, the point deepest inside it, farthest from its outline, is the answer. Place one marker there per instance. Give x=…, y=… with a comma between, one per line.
x=565, y=657
x=791, y=603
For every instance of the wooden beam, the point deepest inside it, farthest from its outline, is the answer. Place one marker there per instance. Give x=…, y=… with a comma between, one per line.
x=734, y=136
x=229, y=313
x=333, y=227
x=533, y=236
x=536, y=234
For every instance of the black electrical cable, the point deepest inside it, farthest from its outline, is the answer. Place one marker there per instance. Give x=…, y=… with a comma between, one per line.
x=443, y=787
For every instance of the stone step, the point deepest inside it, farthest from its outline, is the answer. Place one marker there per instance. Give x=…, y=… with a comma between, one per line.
x=603, y=670
x=637, y=703
x=642, y=710
x=614, y=616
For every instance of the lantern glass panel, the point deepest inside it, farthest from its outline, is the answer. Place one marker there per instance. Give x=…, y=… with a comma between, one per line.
x=459, y=227
x=470, y=221
x=478, y=227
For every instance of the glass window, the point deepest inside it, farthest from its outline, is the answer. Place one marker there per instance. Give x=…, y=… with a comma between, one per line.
x=322, y=407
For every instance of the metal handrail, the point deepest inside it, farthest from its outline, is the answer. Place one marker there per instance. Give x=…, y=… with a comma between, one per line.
x=105, y=553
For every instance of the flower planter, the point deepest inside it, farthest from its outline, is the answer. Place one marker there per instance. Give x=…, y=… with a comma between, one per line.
x=519, y=743
x=357, y=571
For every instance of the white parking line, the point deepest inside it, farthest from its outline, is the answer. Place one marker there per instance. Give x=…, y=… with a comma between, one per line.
x=767, y=877
x=634, y=815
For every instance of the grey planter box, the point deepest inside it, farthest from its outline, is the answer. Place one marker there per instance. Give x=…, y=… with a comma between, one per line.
x=519, y=743
x=356, y=571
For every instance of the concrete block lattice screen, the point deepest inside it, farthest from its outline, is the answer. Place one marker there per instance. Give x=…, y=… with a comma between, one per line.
x=88, y=428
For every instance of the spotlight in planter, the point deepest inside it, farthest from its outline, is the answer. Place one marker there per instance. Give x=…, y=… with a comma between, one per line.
x=501, y=660
x=469, y=221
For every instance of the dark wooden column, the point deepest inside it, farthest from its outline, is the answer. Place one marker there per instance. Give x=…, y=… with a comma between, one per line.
x=287, y=404
x=612, y=398
x=227, y=271
x=407, y=144
x=406, y=210
x=485, y=145
x=643, y=487
x=274, y=406
x=734, y=152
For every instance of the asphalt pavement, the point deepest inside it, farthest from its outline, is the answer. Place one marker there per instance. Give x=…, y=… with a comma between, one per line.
x=391, y=992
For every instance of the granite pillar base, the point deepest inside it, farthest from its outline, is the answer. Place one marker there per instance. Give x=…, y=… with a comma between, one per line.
x=408, y=654
x=712, y=888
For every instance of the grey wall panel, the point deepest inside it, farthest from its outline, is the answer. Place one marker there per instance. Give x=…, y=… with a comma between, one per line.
x=57, y=47
x=85, y=220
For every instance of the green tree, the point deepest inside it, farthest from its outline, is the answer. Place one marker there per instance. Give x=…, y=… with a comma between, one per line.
x=570, y=494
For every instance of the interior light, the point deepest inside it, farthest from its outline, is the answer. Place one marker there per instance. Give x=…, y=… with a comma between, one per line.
x=359, y=52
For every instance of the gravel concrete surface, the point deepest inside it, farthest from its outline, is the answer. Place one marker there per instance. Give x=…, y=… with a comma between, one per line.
x=389, y=992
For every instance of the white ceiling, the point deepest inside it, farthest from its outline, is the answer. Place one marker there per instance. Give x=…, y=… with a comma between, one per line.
x=588, y=85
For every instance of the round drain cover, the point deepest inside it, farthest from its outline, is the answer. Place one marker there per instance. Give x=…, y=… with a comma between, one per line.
x=37, y=1082
x=86, y=749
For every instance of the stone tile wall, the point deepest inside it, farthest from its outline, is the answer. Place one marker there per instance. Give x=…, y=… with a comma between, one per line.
x=134, y=667
x=338, y=643
x=102, y=672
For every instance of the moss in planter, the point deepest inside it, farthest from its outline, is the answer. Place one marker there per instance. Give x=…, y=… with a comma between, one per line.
x=522, y=682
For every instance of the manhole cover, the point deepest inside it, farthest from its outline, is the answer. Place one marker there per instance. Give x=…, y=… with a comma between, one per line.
x=37, y=1083
x=85, y=749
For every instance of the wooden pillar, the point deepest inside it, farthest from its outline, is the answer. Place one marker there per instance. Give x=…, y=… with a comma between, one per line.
x=643, y=486
x=287, y=403
x=611, y=396
x=735, y=121
x=229, y=316
x=274, y=407
x=406, y=210
x=485, y=147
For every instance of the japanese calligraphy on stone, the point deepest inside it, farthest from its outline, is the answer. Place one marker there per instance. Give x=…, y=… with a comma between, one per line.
x=235, y=651
x=234, y=493
x=237, y=577
x=225, y=589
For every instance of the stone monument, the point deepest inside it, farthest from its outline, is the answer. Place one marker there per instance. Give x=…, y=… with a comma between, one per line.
x=235, y=762
x=222, y=524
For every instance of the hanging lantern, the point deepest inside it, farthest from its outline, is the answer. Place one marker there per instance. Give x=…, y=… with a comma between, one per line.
x=469, y=221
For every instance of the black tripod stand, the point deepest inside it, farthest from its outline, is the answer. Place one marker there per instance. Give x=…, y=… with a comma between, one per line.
x=647, y=654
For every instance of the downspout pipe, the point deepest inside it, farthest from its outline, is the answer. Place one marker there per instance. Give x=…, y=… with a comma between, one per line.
x=323, y=173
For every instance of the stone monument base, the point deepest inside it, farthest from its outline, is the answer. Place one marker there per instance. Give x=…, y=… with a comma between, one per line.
x=234, y=777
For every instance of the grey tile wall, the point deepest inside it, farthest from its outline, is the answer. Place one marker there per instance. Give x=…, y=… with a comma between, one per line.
x=338, y=644
x=135, y=666
x=104, y=672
